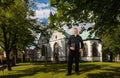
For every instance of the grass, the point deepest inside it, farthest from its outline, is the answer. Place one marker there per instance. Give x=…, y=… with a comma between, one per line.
x=87, y=70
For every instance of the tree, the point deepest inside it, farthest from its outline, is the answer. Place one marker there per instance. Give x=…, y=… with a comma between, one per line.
x=111, y=43
x=14, y=26
x=104, y=13
x=1, y=50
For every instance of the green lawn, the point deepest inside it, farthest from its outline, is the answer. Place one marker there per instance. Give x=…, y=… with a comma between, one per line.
x=87, y=70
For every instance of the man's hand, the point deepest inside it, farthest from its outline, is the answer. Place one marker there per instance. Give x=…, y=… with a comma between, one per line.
x=71, y=48
x=81, y=50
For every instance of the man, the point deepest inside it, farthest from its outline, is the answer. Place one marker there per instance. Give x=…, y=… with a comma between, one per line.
x=75, y=44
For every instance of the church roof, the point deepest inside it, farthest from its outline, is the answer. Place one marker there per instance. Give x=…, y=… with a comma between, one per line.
x=47, y=37
x=84, y=35
x=67, y=35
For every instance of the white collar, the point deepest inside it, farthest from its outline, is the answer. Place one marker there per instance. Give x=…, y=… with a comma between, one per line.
x=75, y=35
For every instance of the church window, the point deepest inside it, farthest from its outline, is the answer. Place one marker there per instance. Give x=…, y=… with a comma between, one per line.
x=94, y=50
x=85, y=53
x=119, y=56
x=56, y=52
x=43, y=50
x=56, y=37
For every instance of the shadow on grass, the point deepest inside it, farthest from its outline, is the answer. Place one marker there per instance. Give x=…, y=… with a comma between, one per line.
x=112, y=72
x=38, y=68
x=59, y=68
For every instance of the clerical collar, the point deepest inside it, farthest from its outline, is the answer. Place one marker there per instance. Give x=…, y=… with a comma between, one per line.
x=75, y=35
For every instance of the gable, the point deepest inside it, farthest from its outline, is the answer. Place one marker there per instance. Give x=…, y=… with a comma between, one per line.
x=56, y=36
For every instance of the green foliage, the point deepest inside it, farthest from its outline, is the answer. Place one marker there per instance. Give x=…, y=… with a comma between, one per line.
x=104, y=13
x=15, y=26
x=1, y=50
x=111, y=41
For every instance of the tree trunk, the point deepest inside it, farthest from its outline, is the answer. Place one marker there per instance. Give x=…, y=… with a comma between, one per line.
x=14, y=61
x=15, y=56
x=111, y=57
x=8, y=61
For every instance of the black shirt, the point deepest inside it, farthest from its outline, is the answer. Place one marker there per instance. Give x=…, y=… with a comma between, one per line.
x=76, y=42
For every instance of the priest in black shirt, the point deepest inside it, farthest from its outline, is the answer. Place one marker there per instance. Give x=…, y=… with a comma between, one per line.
x=76, y=46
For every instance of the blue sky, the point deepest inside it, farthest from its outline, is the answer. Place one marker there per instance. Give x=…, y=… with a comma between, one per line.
x=43, y=1
x=42, y=11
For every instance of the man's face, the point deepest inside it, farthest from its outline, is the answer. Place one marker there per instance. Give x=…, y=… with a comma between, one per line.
x=75, y=31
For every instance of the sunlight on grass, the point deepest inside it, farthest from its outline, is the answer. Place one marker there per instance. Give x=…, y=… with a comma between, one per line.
x=87, y=70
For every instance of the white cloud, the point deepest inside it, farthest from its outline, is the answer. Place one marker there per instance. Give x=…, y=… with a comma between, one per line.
x=42, y=5
x=43, y=11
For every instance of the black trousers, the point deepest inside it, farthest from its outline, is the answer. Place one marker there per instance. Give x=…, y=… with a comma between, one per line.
x=73, y=56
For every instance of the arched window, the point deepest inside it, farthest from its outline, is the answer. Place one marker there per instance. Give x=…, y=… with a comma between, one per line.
x=43, y=50
x=56, y=52
x=56, y=37
x=94, y=50
x=56, y=48
x=119, y=56
x=85, y=53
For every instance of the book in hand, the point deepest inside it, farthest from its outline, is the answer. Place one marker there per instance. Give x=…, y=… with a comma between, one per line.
x=73, y=45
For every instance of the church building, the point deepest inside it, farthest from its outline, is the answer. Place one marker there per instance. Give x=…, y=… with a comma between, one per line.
x=55, y=49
